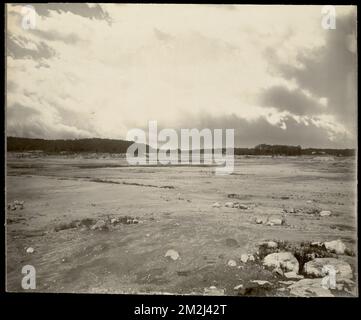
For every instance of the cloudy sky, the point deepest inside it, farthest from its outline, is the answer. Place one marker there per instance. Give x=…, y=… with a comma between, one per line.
x=270, y=72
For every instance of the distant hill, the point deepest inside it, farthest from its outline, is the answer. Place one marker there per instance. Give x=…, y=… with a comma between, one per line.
x=77, y=145
x=96, y=145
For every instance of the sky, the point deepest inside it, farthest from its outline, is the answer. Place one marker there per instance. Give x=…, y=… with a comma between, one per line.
x=271, y=73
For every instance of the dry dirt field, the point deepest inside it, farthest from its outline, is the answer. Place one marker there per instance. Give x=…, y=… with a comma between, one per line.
x=142, y=212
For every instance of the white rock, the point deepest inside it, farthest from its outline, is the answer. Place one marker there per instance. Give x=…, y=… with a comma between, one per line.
x=287, y=283
x=309, y=287
x=325, y=213
x=336, y=246
x=261, y=282
x=251, y=257
x=213, y=291
x=232, y=263
x=293, y=275
x=272, y=244
x=30, y=250
x=244, y=257
x=284, y=260
x=236, y=288
x=317, y=268
x=216, y=205
x=240, y=206
x=174, y=255
x=275, y=222
x=99, y=225
x=113, y=221
x=229, y=204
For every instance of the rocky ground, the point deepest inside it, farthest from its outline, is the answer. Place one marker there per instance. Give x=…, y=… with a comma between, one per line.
x=91, y=223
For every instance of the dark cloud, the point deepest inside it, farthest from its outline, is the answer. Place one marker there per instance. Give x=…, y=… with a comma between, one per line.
x=18, y=112
x=15, y=50
x=294, y=101
x=162, y=36
x=80, y=9
x=329, y=71
x=53, y=35
x=251, y=133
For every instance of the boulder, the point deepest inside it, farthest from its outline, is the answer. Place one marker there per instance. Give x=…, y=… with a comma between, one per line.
x=244, y=258
x=325, y=213
x=100, y=225
x=272, y=244
x=216, y=205
x=275, y=222
x=261, y=220
x=284, y=260
x=114, y=221
x=172, y=254
x=293, y=275
x=30, y=250
x=229, y=205
x=317, y=268
x=240, y=206
x=231, y=263
x=335, y=246
x=262, y=283
x=309, y=287
x=213, y=291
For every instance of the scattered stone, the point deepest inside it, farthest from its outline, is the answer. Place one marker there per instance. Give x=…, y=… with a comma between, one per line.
x=275, y=222
x=216, y=205
x=232, y=263
x=284, y=260
x=240, y=206
x=336, y=246
x=318, y=268
x=260, y=220
x=229, y=205
x=244, y=257
x=309, y=201
x=213, y=291
x=237, y=288
x=309, y=287
x=293, y=275
x=172, y=254
x=262, y=282
x=272, y=244
x=30, y=250
x=114, y=221
x=100, y=225
x=16, y=204
x=325, y=213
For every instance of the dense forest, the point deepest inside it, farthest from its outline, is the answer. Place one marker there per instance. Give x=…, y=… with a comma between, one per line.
x=120, y=146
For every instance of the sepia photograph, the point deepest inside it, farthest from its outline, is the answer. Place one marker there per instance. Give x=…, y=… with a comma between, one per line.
x=181, y=149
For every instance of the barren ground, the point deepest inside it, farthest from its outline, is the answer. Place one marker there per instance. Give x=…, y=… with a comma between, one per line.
x=174, y=208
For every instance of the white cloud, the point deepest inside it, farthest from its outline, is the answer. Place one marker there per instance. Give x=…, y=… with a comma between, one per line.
x=158, y=62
